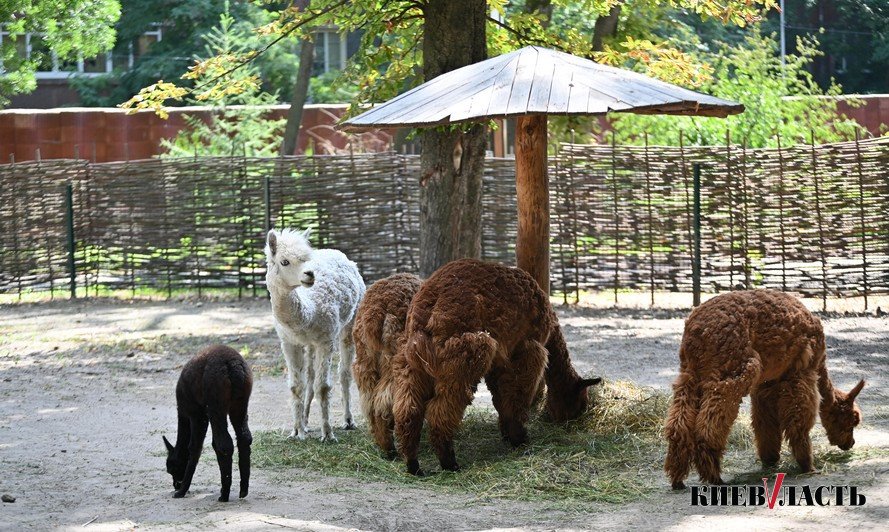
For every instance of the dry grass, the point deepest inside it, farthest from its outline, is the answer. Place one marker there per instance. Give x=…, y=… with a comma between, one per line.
x=613, y=454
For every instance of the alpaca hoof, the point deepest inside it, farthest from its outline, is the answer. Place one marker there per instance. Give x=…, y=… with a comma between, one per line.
x=518, y=441
x=179, y=494
x=454, y=467
x=242, y=494
x=223, y=498
x=298, y=435
x=349, y=425
x=413, y=467
x=391, y=454
x=679, y=485
x=328, y=437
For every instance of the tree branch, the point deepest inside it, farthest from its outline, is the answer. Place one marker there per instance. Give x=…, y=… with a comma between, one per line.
x=278, y=39
x=524, y=39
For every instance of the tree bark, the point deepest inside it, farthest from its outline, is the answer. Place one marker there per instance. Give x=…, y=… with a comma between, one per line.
x=299, y=96
x=452, y=161
x=606, y=26
x=532, y=191
x=300, y=89
x=544, y=7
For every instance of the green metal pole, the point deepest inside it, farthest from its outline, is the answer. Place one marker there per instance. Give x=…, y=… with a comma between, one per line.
x=268, y=204
x=69, y=208
x=696, y=264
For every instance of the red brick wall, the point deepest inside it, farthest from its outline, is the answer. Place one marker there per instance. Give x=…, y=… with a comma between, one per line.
x=109, y=134
x=873, y=115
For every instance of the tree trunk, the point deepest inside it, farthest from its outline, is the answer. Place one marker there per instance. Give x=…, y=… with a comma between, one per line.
x=544, y=7
x=452, y=161
x=300, y=89
x=299, y=96
x=606, y=26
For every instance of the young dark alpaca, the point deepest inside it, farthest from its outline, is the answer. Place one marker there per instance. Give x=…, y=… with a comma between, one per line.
x=472, y=320
x=379, y=329
x=214, y=384
x=763, y=343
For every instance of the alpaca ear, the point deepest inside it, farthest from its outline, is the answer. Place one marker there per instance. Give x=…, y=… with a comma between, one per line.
x=585, y=383
x=167, y=443
x=853, y=393
x=272, y=240
x=307, y=233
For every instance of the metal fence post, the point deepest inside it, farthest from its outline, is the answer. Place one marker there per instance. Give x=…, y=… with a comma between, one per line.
x=69, y=219
x=267, y=187
x=696, y=263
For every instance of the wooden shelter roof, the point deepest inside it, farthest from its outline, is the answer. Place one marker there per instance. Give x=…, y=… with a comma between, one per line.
x=536, y=80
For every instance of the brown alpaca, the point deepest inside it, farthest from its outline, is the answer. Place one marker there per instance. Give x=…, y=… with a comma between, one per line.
x=470, y=320
x=379, y=328
x=766, y=344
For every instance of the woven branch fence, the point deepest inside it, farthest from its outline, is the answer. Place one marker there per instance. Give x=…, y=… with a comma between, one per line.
x=808, y=219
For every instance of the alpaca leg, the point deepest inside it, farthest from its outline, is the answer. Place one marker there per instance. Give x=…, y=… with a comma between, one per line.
x=513, y=389
x=799, y=406
x=295, y=358
x=238, y=418
x=464, y=359
x=311, y=355
x=225, y=449
x=347, y=354
x=444, y=414
x=679, y=430
x=412, y=389
x=195, y=446
x=712, y=426
x=765, y=408
x=323, y=385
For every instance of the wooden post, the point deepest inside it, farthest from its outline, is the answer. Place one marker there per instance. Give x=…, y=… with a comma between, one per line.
x=532, y=190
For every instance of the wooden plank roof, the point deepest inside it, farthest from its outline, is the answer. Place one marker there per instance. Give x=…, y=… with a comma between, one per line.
x=536, y=80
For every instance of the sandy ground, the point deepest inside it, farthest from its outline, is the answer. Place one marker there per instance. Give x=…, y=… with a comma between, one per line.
x=86, y=390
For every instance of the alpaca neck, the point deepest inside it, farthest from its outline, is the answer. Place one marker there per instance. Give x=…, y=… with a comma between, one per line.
x=825, y=386
x=289, y=308
x=560, y=374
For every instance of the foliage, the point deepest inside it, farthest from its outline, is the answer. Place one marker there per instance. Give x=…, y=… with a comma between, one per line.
x=390, y=56
x=80, y=28
x=852, y=33
x=787, y=103
x=330, y=87
x=238, y=124
x=184, y=23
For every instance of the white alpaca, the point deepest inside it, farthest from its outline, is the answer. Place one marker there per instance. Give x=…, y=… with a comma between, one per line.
x=315, y=293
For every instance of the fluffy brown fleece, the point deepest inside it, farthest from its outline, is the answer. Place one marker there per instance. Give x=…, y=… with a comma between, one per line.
x=379, y=328
x=469, y=320
x=767, y=344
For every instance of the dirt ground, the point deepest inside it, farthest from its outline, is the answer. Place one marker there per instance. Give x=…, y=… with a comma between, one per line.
x=86, y=390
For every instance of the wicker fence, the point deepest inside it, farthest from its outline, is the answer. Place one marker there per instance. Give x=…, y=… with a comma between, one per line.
x=810, y=219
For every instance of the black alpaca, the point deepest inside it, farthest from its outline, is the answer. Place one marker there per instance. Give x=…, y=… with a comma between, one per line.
x=215, y=383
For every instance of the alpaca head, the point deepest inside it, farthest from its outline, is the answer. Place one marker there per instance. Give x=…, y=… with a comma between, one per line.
x=840, y=415
x=570, y=401
x=176, y=463
x=287, y=251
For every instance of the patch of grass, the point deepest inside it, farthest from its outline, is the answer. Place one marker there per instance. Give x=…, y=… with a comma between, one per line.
x=613, y=454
